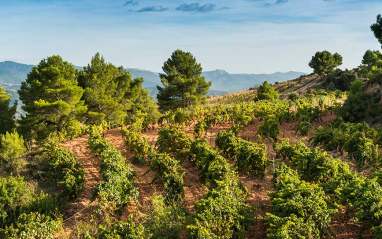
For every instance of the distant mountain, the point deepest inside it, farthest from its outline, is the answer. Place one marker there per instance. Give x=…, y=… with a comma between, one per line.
x=224, y=81
x=13, y=73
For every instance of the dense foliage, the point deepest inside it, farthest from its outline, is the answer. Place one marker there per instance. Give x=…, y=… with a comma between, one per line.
x=325, y=62
x=51, y=98
x=63, y=167
x=251, y=156
x=266, y=92
x=7, y=112
x=117, y=188
x=299, y=209
x=12, y=153
x=111, y=94
x=183, y=84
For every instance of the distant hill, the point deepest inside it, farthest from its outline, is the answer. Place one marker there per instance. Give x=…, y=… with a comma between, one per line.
x=13, y=73
x=224, y=81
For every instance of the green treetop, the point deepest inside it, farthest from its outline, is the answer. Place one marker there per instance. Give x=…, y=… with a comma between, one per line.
x=376, y=28
x=371, y=57
x=7, y=112
x=51, y=97
x=183, y=84
x=324, y=62
x=266, y=92
x=112, y=96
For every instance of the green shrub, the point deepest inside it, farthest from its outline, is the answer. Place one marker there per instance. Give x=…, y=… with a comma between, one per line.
x=223, y=212
x=12, y=152
x=165, y=221
x=123, y=230
x=64, y=169
x=295, y=199
x=117, y=188
x=32, y=225
x=266, y=92
x=15, y=198
x=173, y=141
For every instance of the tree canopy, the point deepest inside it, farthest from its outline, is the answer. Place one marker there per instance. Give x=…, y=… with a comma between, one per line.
x=371, y=57
x=51, y=97
x=266, y=92
x=377, y=28
x=110, y=93
x=183, y=84
x=340, y=80
x=324, y=62
x=7, y=112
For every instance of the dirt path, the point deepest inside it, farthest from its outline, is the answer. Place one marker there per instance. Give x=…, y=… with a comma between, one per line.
x=142, y=181
x=83, y=205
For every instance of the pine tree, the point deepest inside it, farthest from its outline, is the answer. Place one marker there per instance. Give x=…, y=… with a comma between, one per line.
x=183, y=84
x=111, y=95
x=324, y=62
x=52, y=99
x=7, y=112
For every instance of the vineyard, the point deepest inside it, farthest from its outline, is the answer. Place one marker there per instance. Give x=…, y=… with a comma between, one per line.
x=94, y=156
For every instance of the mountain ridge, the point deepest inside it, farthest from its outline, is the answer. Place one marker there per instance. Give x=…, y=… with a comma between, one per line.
x=13, y=73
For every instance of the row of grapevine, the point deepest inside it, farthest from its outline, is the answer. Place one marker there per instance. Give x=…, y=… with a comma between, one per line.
x=250, y=156
x=166, y=168
x=362, y=195
x=117, y=187
x=223, y=212
x=213, y=166
x=63, y=167
x=359, y=140
x=24, y=214
x=299, y=209
x=173, y=141
x=136, y=143
x=167, y=172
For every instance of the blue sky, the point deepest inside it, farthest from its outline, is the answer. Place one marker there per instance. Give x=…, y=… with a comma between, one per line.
x=241, y=36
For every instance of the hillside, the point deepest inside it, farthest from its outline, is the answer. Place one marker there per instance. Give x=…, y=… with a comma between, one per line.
x=13, y=73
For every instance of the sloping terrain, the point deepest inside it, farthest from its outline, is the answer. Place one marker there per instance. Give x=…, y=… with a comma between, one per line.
x=194, y=189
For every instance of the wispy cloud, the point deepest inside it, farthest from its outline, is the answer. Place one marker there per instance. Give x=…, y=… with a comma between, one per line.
x=281, y=1
x=196, y=7
x=130, y=3
x=153, y=9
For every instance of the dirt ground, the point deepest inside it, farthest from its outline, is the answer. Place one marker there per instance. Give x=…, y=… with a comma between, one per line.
x=258, y=187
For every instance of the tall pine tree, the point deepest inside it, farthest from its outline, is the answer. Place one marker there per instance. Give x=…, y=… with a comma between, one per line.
x=183, y=84
x=52, y=99
x=7, y=112
x=105, y=86
x=111, y=95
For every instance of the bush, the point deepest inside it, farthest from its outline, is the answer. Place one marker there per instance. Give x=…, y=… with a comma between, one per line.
x=341, y=80
x=64, y=169
x=222, y=213
x=15, y=198
x=32, y=225
x=165, y=221
x=173, y=141
x=297, y=201
x=125, y=230
x=117, y=188
x=266, y=92
x=12, y=152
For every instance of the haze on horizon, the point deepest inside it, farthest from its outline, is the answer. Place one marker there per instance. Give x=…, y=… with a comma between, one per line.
x=242, y=36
